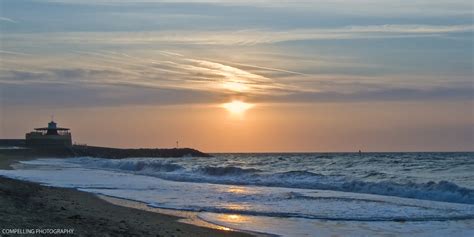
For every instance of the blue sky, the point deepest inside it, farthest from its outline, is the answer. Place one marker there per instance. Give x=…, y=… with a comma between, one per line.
x=62, y=54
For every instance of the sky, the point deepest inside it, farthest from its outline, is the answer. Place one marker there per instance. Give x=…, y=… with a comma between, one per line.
x=307, y=76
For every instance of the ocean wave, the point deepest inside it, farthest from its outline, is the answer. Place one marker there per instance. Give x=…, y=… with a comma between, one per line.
x=437, y=191
x=130, y=164
x=400, y=217
x=226, y=170
x=298, y=173
x=444, y=191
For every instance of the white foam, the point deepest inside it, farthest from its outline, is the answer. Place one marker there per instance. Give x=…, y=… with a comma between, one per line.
x=284, y=211
x=309, y=227
x=208, y=173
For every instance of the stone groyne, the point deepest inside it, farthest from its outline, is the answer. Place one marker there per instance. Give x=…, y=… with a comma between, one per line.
x=103, y=152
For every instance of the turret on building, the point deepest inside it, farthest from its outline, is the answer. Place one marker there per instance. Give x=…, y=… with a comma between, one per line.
x=49, y=137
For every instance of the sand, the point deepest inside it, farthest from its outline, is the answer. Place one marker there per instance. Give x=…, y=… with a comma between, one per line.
x=26, y=205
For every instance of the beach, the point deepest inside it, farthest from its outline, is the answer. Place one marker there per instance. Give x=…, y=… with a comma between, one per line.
x=262, y=194
x=27, y=206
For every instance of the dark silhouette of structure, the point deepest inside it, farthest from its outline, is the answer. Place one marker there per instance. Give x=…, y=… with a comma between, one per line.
x=49, y=137
x=54, y=141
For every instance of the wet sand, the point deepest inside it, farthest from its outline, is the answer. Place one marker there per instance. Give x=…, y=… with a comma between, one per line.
x=26, y=205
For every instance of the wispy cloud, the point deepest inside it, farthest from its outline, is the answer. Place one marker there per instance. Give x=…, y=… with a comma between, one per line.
x=265, y=68
x=186, y=59
x=172, y=70
x=7, y=19
x=244, y=37
x=384, y=7
x=91, y=88
x=14, y=53
x=175, y=72
x=382, y=94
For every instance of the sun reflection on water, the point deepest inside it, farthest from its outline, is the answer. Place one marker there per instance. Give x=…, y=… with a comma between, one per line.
x=224, y=228
x=238, y=190
x=233, y=218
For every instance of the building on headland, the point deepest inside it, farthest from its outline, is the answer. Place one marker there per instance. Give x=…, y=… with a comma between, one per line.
x=49, y=137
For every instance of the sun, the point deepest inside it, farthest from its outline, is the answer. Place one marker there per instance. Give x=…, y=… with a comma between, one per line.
x=237, y=107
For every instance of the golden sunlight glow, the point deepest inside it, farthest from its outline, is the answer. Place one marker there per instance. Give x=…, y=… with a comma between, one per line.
x=237, y=106
x=236, y=189
x=233, y=217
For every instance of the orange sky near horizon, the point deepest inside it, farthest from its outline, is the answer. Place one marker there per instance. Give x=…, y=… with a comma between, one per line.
x=322, y=127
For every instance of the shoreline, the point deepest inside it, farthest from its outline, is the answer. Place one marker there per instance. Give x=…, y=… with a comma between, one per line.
x=28, y=205
x=188, y=217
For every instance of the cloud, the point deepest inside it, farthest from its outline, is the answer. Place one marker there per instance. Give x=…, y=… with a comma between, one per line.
x=233, y=78
x=242, y=37
x=416, y=29
x=382, y=94
x=170, y=71
x=7, y=19
x=265, y=68
x=53, y=76
x=192, y=73
x=85, y=95
x=355, y=7
x=212, y=80
x=14, y=53
x=99, y=87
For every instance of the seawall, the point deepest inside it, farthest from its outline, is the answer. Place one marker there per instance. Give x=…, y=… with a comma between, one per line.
x=103, y=152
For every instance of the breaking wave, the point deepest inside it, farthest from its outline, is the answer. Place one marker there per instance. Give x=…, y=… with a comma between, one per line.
x=228, y=170
x=436, y=191
x=130, y=165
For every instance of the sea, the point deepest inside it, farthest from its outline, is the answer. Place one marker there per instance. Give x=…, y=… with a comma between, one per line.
x=287, y=194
